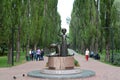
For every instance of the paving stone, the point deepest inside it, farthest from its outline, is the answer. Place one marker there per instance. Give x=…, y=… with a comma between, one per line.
x=103, y=71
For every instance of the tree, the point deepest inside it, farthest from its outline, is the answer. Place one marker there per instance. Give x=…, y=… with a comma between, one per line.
x=85, y=21
x=106, y=24
x=26, y=17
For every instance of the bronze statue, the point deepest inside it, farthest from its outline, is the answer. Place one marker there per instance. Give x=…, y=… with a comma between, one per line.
x=61, y=49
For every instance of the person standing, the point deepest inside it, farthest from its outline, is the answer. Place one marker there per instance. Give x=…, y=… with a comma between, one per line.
x=38, y=54
x=87, y=54
x=33, y=53
x=30, y=52
x=42, y=54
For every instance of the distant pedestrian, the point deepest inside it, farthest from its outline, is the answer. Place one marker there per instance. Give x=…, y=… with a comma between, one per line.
x=33, y=54
x=30, y=52
x=42, y=54
x=38, y=52
x=87, y=54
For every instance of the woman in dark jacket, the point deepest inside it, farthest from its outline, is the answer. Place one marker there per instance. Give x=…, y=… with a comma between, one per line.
x=42, y=54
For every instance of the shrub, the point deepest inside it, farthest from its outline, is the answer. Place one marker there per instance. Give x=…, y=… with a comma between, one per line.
x=116, y=60
x=76, y=63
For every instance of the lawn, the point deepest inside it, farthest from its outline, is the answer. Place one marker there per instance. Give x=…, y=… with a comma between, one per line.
x=3, y=61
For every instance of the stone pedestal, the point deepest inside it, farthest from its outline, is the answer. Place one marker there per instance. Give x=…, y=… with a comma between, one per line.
x=60, y=63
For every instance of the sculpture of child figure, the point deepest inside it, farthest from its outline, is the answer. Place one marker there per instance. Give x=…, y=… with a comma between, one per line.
x=63, y=48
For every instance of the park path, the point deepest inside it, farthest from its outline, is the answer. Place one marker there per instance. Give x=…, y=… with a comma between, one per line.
x=103, y=71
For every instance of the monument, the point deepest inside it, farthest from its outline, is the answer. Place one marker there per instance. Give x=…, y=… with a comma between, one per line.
x=61, y=64
x=62, y=60
x=63, y=48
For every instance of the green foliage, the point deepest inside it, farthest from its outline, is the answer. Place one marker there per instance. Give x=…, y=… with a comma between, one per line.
x=95, y=24
x=84, y=25
x=34, y=24
x=37, y=20
x=116, y=59
x=76, y=63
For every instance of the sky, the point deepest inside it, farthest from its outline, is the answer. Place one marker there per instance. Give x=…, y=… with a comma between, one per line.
x=64, y=8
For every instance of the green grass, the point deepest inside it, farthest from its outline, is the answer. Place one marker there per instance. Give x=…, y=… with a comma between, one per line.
x=3, y=61
x=102, y=57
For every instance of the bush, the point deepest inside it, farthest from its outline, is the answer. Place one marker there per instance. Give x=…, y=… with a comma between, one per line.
x=76, y=63
x=116, y=59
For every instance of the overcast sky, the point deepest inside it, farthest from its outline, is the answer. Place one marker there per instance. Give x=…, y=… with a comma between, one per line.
x=65, y=9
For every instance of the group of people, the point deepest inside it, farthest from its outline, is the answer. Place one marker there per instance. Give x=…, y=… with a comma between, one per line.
x=36, y=54
x=88, y=54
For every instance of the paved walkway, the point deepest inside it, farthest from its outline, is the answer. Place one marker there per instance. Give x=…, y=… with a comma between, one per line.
x=103, y=71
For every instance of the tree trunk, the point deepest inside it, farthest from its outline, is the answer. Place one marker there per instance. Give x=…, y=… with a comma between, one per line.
x=97, y=24
x=83, y=48
x=96, y=45
x=11, y=48
x=45, y=7
x=107, y=57
x=35, y=46
x=27, y=48
x=3, y=51
x=92, y=45
x=107, y=31
x=9, y=54
x=18, y=45
x=27, y=45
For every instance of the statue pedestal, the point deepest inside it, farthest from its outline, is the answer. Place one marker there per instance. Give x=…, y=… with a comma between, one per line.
x=60, y=63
